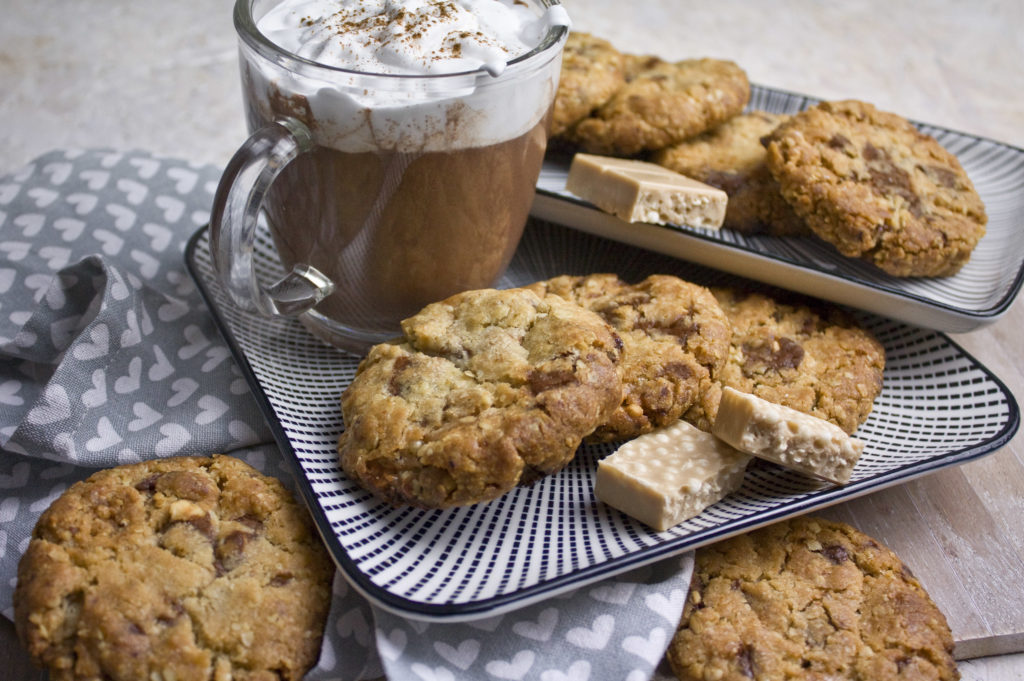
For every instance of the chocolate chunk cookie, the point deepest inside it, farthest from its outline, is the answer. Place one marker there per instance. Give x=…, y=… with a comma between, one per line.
x=813, y=359
x=732, y=158
x=662, y=104
x=181, y=568
x=675, y=342
x=877, y=188
x=808, y=598
x=488, y=389
x=592, y=71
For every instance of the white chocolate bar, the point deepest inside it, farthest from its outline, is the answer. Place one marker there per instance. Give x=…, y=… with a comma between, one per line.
x=637, y=191
x=786, y=436
x=663, y=477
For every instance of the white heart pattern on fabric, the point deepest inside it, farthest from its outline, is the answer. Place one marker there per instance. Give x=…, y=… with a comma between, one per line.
x=124, y=217
x=391, y=646
x=353, y=624
x=650, y=649
x=174, y=440
x=212, y=409
x=96, y=396
x=58, y=171
x=97, y=347
x=106, y=436
x=614, y=593
x=145, y=416
x=516, y=668
x=540, y=630
x=463, y=656
x=132, y=381
x=594, y=638
x=83, y=203
x=185, y=180
x=670, y=607
x=54, y=406
x=70, y=228
x=30, y=224
x=135, y=192
x=160, y=369
x=9, y=393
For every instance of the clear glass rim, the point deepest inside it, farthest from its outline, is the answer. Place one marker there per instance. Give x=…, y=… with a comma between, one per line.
x=245, y=26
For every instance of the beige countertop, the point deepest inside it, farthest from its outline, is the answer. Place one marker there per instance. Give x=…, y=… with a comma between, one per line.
x=163, y=77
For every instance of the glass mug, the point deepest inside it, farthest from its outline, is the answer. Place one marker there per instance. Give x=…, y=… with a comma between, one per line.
x=382, y=193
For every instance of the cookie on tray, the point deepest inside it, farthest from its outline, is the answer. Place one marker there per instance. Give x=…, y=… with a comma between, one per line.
x=675, y=342
x=808, y=598
x=811, y=358
x=592, y=71
x=877, y=188
x=662, y=104
x=732, y=158
x=488, y=389
x=184, y=568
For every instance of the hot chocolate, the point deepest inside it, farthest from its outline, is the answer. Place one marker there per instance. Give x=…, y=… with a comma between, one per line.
x=396, y=231
x=427, y=124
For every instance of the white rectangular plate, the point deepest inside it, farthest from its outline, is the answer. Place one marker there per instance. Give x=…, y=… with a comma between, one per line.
x=979, y=294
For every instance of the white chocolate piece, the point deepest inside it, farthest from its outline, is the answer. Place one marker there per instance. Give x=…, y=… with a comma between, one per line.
x=786, y=436
x=637, y=191
x=663, y=477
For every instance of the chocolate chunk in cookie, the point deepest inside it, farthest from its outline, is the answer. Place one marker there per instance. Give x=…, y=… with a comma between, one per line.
x=675, y=341
x=808, y=598
x=732, y=158
x=592, y=71
x=488, y=389
x=814, y=359
x=877, y=188
x=663, y=104
x=186, y=568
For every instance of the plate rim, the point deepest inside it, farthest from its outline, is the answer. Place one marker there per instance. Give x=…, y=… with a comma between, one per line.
x=501, y=603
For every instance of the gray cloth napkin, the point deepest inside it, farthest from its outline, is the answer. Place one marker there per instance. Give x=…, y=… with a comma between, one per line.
x=109, y=356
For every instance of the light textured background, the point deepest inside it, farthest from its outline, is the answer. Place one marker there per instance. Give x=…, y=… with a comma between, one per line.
x=162, y=76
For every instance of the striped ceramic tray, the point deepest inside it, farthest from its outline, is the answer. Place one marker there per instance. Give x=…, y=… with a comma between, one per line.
x=979, y=294
x=938, y=408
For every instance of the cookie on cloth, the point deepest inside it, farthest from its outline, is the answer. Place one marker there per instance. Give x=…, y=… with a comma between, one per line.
x=592, y=71
x=731, y=157
x=178, y=568
x=675, y=341
x=877, y=188
x=488, y=389
x=808, y=598
x=662, y=104
x=811, y=358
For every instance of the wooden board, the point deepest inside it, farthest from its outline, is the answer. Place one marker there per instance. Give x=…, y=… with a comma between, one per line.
x=961, y=530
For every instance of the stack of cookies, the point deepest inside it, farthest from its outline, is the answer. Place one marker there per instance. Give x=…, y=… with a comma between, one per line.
x=866, y=181
x=491, y=389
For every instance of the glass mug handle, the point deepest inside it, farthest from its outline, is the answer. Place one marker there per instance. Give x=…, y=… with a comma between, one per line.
x=236, y=208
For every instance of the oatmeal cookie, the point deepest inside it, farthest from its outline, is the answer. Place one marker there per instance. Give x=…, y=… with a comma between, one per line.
x=592, y=71
x=877, y=188
x=813, y=359
x=732, y=158
x=808, y=598
x=487, y=390
x=187, y=568
x=664, y=104
x=675, y=341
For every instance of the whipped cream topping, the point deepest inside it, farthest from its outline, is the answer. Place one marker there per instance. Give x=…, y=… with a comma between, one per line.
x=407, y=36
x=373, y=107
